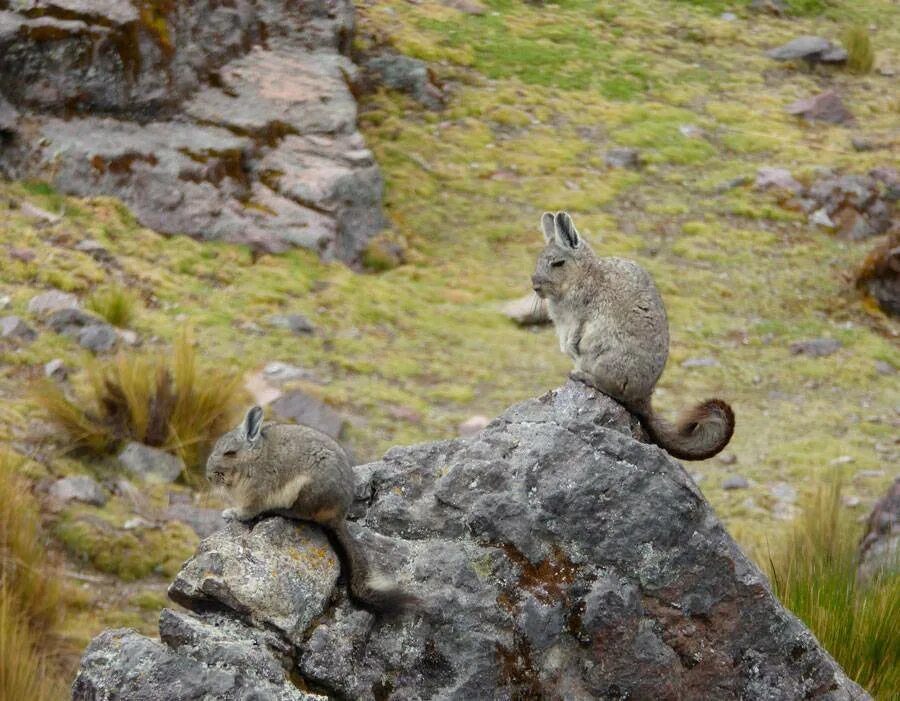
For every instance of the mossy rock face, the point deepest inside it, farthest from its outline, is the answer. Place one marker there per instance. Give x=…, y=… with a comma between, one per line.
x=129, y=554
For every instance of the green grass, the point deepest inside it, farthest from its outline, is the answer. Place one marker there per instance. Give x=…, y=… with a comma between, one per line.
x=860, y=54
x=814, y=574
x=114, y=303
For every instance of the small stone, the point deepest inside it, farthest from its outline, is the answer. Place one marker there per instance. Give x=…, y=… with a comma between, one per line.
x=861, y=143
x=151, y=464
x=842, y=460
x=809, y=48
x=728, y=17
x=728, y=458
x=129, y=337
x=5, y=302
x=884, y=368
x=14, y=327
x=71, y=321
x=26, y=255
x=137, y=522
x=56, y=370
x=623, y=158
x=80, y=488
x=700, y=363
x=735, y=482
x=98, y=338
x=825, y=107
x=852, y=225
x=260, y=390
x=820, y=218
x=779, y=178
x=850, y=501
x=94, y=249
x=295, y=323
x=783, y=492
x=406, y=74
x=305, y=409
x=691, y=131
x=529, y=310
x=279, y=372
x=472, y=425
x=816, y=348
x=51, y=301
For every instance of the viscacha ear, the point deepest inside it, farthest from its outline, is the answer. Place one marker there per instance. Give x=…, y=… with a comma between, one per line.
x=253, y=424
x=566, y=235
x=547, y=226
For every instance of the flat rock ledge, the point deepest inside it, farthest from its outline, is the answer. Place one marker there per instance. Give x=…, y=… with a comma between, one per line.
x=558, y=557
x=225, y=121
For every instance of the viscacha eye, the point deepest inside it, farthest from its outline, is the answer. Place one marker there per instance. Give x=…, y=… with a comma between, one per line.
x=229, y=453
x=557, y=263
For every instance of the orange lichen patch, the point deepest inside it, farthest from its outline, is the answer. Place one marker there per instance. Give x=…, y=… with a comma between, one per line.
x=517, y=673
x=548, y=580
x=122, y=164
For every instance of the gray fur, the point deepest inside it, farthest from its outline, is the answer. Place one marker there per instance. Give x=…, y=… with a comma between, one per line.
x=611, y=321
x=300, y=473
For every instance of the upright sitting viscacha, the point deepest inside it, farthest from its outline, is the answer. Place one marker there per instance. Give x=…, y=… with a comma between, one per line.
x=611, y=321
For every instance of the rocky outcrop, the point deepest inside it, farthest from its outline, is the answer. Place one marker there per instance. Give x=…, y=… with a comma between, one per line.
x=879, y=550
x=557, y=557
x=226, y=121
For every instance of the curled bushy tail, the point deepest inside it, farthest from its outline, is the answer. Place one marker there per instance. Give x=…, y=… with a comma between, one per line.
x=370, y=590
x=699, y=433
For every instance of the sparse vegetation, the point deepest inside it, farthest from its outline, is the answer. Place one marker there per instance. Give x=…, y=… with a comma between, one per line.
x=115, y=303
x=860, y=54
x=165, y=401
x=814, y=574
x=30, y=595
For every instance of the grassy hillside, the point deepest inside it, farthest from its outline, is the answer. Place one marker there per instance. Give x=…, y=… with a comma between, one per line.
x=536, y=95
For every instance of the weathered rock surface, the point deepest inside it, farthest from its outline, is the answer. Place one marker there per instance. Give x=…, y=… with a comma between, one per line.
x=151, y=464
x=557, y=556
x=202, y=659
x=305, y=409
x=14, y=327
x=278, y=574
x=406, y=74
x=879, y=550
x=227, y=121
x=824, y=107
x=79, y=488
x=811, y=49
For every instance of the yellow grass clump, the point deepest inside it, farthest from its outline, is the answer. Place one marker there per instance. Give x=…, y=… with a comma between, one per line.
x=166, y=401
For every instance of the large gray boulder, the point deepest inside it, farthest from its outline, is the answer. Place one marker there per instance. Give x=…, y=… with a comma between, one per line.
x=226, y=121
x=557, y=556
